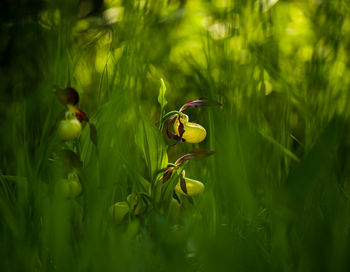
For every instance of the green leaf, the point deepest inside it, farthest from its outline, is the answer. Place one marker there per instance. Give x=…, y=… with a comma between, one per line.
x=151, y=143
x=161, y=97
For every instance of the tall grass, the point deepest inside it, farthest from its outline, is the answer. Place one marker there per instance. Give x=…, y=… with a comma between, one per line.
x=277, y=189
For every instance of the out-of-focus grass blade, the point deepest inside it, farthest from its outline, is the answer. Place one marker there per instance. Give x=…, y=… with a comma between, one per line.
x=135, y=174
x=280, y=146
x=6, y=213
x=93, y=133
x=266, y=4
x=313, y=167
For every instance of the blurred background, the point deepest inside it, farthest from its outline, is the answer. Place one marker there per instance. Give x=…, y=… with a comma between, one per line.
x=277, y=190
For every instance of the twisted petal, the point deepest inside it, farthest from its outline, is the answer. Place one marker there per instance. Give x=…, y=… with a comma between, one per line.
x=81, y=116
x=167, y=174
x=171, y=135
x=199, y=103
x=193, y=187
x=183, y=184
x=195, y=103
x=195, y=154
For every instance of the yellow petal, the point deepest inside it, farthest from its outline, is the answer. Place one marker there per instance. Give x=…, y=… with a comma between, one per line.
x=69, y=129
x=194, y=187
x=194, y=133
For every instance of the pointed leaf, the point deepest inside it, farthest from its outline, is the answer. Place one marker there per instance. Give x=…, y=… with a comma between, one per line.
x=161, y=97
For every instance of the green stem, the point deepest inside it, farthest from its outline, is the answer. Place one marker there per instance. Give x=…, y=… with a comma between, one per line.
x=166, y=117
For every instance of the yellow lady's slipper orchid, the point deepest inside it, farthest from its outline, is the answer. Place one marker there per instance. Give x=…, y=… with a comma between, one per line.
x=69, y=129
x=193, y=133
x=194, y=187
x=69, y=188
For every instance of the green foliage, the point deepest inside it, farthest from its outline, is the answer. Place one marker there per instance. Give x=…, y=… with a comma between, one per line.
x=277, y=189
x=150, y=141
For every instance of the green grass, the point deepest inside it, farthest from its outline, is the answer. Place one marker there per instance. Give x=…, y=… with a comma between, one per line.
x=277, y=189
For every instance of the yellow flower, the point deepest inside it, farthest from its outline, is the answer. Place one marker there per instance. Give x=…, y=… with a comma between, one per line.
x=192, y=132
x=69, y=129
x=69, y=188
x=193, y=187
